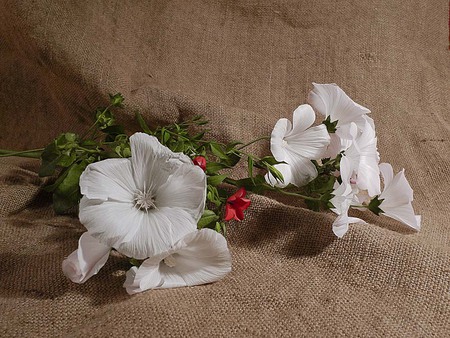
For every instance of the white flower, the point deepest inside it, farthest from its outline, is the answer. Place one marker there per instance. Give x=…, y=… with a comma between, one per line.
x=331, y=101
x=85, y=262
x=363, y=156
x=198, y=258
x=343, y=196
x=397, y=196
x=297, y=144
x=140, y=206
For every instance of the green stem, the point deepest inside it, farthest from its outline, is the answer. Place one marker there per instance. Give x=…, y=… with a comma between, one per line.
x=281, y=191
x=254, y=141
x=35, y=153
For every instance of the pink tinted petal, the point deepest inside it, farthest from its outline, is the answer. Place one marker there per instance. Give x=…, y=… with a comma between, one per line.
x=87, y=260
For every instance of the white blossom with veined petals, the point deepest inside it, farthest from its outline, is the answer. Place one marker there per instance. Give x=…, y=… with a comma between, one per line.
x=296, y=144
x=343, y=197
x=200, y=257
x=331, y=101
x=364, y=157
x=397, y=196
x=142, y=205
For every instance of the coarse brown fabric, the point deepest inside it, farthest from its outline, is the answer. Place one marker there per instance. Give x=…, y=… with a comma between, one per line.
x=242, y=64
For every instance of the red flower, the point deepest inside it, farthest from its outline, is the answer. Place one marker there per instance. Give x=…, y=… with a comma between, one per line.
x=200, y=161
x=236, y=204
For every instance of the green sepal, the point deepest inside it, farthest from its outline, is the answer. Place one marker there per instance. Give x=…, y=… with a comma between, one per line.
x=374, y=205
x=331, y=126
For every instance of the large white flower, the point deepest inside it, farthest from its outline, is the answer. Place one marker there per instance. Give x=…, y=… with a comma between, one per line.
x=140, y=206
x=343, y=197
x=198, y=258
x=331, y=101
x=397, y=196
x=297, y=144
x=364, y=157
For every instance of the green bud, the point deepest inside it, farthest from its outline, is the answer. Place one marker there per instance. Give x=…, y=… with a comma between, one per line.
x=116, y=99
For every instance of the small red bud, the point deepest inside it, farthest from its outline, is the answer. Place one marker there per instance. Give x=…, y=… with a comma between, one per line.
x=200, y=161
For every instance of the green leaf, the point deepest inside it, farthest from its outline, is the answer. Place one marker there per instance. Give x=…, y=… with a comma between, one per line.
x=67, y=194
x=218, y=151
x=250, y=166
x=214, y=167
x=49, y=159
x=207, y=218
x=65, y=160
x=216, y=180
x=274, y=171
x=142, y=124
x=218, y=227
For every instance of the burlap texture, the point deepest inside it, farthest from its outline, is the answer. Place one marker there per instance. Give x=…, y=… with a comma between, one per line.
x=242, y=64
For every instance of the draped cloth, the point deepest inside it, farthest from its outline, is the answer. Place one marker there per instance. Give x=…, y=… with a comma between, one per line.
x=243, y=65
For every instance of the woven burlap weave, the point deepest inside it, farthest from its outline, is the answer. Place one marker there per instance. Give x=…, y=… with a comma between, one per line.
x=242, y=64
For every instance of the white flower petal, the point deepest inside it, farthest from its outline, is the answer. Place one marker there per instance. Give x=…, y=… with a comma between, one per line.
x=311, y=143
x=340, y=225
x=285, y=170
x=158, y=230
x=185, y=189
x=282, y=127
x=303, y=171
x=146, y=277
x=109, y=179
x=110, y=222
x=403, y=213
x=151, y=161
x=302, y=118
x=200, y=257
x=398, y=191
x=87, y=260
x=387, y=173
x=330, y=100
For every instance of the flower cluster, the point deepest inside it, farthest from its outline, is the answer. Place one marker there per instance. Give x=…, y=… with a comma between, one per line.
x=162, y=196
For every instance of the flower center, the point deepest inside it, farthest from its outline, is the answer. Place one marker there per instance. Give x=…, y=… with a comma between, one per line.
x=144, y=200
x=284, y=143
x=170, y=261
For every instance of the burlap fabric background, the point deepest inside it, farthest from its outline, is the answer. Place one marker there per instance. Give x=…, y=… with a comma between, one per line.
x=243, y=64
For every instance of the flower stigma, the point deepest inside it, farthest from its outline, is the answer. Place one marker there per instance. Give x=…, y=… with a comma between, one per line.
x=170, y=261
x=144, y=200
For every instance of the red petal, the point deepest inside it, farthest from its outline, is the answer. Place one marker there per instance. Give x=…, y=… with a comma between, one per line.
x=229, y=212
